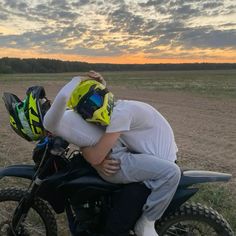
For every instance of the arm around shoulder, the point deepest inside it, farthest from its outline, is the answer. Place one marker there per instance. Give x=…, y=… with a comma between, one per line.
x=56, y=111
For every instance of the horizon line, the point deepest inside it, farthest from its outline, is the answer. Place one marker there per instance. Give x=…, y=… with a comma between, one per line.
x=78, y=61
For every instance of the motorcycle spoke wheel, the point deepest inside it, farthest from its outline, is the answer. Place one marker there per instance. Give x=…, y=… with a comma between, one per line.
x=191, y=228
x=193, y=220
x=32, y=225
x=38, y=222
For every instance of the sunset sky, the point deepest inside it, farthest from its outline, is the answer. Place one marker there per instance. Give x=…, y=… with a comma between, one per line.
x=119, y=31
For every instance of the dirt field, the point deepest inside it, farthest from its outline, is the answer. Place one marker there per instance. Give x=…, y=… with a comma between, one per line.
x=204, y=127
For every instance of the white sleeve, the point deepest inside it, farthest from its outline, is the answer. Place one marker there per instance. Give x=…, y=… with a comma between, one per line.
x=56, y=111
x=120, y=122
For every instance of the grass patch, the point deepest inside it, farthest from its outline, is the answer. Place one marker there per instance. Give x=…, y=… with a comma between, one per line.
x=211, y=83
x=220, y=198
x=34, y=77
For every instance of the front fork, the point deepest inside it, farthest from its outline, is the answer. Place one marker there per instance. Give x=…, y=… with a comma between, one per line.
x=23, y=208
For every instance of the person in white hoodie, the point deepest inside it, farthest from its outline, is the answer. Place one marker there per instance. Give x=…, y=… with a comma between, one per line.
x=134, y=126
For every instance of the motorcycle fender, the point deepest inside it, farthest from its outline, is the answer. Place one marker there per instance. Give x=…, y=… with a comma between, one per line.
x=190, y=177
x=21, y=171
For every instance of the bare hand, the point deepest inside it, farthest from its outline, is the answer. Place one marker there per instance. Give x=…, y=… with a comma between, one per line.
x=108, y=167
x=96, y=76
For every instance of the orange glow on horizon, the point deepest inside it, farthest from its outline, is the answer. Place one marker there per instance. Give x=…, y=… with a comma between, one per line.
x=216, y=56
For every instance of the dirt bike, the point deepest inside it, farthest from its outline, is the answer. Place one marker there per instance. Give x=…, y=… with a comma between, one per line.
x=65, y=182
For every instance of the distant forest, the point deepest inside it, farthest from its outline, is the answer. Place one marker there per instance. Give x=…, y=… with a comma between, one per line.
x=16, y=65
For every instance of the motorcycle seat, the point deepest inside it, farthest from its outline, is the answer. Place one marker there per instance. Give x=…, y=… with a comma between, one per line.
x=90, y=181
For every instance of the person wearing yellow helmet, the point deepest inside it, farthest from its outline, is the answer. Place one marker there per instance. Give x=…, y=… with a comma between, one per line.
x=141, y=129
x=138, y=126
x=26, y=119
x=68, y=124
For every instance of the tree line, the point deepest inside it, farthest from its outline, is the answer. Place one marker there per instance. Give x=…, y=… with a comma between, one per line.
x=17, y=65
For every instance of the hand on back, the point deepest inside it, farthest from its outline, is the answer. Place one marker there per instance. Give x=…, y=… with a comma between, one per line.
x=96, y=76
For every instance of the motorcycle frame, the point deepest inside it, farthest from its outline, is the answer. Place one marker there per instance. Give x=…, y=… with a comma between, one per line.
x=95, y=185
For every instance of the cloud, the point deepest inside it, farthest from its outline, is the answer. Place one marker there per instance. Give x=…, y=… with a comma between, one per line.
x=58, y=11
x=208, y=38
x=80, y=3
x=185, y=9
x=17, y=5
x=126, y=21
x=112, y=28
x=3, y=16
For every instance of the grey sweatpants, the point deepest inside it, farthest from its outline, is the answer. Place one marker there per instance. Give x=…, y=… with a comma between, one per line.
x=161, y=176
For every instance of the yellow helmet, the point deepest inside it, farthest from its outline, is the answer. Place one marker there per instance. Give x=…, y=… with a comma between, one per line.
x=26, y=117
x=92, y=101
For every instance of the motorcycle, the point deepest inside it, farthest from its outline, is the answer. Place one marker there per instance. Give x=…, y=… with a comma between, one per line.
x=65, y=182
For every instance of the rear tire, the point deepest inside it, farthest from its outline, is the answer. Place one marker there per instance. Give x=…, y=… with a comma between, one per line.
x=39, y=221
x=193, y=219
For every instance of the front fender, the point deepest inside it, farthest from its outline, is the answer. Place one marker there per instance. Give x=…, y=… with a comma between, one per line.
x=21, y=171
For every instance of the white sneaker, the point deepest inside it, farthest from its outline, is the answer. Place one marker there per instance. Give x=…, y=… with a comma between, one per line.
x=144, y=227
